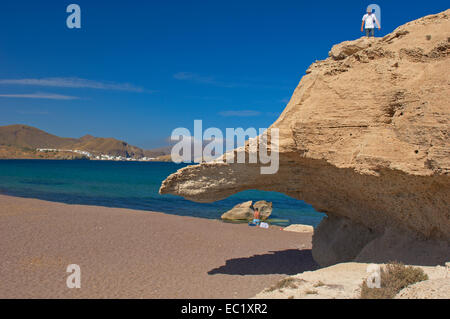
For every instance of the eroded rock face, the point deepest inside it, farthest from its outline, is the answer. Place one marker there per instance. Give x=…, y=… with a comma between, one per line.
x=365, y=140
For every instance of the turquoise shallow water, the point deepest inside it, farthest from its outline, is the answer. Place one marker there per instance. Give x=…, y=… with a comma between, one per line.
x=129, y=185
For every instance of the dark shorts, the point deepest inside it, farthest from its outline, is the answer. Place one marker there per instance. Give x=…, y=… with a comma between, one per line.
x=370, y=32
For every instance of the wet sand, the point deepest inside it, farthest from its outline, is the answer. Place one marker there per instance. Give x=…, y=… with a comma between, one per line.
x=127, y=253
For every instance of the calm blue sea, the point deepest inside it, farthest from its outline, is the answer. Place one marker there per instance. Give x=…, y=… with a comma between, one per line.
x=130, y=185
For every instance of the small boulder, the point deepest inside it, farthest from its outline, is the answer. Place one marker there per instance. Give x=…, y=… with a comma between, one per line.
x=243, y=211
x=264, y=208
x=299, y=228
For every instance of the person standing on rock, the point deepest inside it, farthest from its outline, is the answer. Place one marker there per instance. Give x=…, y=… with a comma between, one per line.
x=369, y=19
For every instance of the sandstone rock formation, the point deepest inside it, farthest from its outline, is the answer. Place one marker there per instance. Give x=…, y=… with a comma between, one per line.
x=343, y=281
x=264, y=208
x=242, y=211
x=245, y=211
x=299, y=228
x=429, y=289
x=364, y=139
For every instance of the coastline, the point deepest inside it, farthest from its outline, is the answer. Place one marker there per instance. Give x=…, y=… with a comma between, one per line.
x=126, y=253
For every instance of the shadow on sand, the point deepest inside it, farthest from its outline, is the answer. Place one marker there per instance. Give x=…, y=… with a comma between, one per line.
x=287, y=262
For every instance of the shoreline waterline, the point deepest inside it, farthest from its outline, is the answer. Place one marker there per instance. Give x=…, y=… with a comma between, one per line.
x=132, y=185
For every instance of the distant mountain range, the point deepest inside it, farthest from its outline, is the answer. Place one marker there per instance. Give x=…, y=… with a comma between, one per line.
x=22, y=141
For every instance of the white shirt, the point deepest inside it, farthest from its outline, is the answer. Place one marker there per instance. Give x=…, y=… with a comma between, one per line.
x=370, y=20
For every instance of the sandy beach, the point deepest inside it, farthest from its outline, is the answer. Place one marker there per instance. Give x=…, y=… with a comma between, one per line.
x=137, y=254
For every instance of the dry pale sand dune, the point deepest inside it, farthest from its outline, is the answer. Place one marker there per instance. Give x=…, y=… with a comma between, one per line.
x=135, y=254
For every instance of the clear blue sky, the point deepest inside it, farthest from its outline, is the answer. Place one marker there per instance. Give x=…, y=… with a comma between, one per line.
x=138, y=69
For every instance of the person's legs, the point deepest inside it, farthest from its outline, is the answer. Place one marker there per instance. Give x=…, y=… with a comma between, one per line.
x=370, y=32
